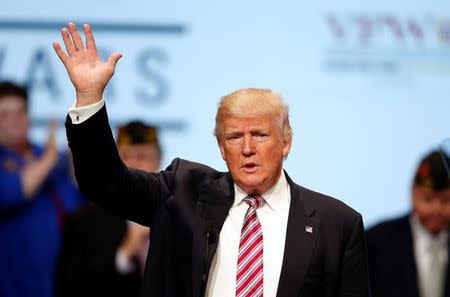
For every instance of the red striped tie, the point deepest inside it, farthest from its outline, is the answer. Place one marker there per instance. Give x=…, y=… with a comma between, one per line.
x=249, y=280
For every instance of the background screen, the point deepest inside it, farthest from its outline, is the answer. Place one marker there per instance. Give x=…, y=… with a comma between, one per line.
x=368, y=84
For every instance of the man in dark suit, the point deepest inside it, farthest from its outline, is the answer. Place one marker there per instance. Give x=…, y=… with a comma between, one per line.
x=248, y=232
x=102, y=254
x=408, y=256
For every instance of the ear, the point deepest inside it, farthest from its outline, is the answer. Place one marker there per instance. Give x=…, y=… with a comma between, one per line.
x=287, y=147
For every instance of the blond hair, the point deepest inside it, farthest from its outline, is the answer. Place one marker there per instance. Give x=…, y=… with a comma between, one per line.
x=253, y=102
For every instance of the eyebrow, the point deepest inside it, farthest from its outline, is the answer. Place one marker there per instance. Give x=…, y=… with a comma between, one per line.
x=233, y=133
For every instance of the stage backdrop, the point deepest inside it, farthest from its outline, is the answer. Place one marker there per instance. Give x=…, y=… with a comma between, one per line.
x=368, y=84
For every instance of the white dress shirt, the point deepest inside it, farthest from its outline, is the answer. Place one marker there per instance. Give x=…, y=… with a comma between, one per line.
x=431, y=255
x=273, y=216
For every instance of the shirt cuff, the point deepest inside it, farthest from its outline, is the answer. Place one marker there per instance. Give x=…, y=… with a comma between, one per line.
x=81, y=114
x=123, y=264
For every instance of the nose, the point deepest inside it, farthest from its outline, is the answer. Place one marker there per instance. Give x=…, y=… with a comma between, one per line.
x=248, y=147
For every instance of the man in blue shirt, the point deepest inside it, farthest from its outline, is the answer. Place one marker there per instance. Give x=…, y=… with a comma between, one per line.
x=35, y=194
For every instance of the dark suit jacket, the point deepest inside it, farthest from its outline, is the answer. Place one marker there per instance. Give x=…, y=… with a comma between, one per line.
x=87, y=261
x=392, y=264
x=188, y=203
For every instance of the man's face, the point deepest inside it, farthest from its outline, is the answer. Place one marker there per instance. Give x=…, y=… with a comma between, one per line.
x=253, y=149
x=432, y=208
x=13, y=121
x=141, y=156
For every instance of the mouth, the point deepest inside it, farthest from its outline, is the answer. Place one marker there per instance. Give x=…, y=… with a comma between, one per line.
x=250, y=167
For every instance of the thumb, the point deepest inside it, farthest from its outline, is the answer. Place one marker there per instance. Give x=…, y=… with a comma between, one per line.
x=53, y=126
x=113, y=59
x=52, y=129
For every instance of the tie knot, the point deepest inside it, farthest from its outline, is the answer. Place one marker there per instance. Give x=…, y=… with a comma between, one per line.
x=254, y=201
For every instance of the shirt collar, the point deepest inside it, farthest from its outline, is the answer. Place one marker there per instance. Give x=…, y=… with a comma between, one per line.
x=276, y=197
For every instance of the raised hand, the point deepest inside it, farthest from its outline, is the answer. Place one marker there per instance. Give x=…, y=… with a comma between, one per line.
x=88, y=73
x=37, y=170
x=51, y=149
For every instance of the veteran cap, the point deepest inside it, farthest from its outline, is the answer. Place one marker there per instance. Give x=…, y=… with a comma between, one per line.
x=136, y=132
x=432, y=173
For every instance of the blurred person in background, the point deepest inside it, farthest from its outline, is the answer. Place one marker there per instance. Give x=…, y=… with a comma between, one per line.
x=408, y=256
x=104, y=255
x=36, y=192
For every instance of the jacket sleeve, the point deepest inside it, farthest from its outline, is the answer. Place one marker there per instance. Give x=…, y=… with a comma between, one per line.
x=103, y=178
x=354, y=273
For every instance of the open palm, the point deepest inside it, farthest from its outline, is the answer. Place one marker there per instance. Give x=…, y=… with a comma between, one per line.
x=88, y=73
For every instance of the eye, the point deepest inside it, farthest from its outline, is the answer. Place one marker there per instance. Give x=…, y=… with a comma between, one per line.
x=234, y=138
x=261, y=136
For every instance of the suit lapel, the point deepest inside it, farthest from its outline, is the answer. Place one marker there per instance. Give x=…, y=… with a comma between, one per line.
x=216, y=198
x=214, y=201
x=409, y=261
x=302, y=232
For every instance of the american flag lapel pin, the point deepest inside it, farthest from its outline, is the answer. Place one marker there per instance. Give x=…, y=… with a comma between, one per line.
x=308, y=229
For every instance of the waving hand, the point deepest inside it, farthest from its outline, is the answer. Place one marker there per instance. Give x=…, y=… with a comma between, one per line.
x=88, y=73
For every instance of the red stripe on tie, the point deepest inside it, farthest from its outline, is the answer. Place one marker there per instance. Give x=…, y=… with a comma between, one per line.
x=250, y=266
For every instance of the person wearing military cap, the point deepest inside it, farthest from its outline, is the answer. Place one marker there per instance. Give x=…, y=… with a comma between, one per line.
x=104, y=255
x=408, y=256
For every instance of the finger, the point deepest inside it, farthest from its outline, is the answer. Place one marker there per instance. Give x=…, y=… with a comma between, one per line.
x=112, y=60
x=90, y=41
x=52, y=128
x=61, y=54
x=67, y=41
x=53, y=125
x=75, y=36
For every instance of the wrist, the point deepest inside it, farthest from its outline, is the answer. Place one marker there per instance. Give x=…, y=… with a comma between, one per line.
x=88, y=97
x=126, y=251
x=50, y=156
